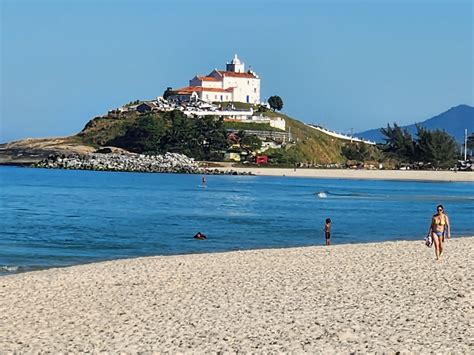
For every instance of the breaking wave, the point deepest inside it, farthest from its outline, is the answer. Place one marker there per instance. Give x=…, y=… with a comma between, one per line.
x=8, y=268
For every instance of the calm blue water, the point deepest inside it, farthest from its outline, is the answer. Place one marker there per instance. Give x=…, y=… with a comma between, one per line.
x=59, y=217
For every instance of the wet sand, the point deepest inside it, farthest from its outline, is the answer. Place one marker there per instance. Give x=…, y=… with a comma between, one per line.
x=381, y=297
x=413, y=175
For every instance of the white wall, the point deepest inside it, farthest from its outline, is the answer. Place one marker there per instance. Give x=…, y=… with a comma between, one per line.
x=244, y=87
x=276, y=122
x=205, y=83
x=212, y=96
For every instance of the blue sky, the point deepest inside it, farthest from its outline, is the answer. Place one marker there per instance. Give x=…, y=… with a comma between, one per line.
x=344, y=64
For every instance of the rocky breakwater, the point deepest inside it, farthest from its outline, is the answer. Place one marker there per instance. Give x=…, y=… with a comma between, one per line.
x=167, y=163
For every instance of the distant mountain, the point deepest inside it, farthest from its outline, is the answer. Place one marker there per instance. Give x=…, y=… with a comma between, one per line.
x=454, y=121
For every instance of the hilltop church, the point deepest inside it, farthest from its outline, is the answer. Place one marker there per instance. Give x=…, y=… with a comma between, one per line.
x=233, y=84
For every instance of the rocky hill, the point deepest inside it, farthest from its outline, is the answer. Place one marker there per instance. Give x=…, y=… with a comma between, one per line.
x=309, y=145
x=32, y=150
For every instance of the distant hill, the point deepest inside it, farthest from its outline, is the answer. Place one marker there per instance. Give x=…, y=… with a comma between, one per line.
x=454, y=121
x=310, y=145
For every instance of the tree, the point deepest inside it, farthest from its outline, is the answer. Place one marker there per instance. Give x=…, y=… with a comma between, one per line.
x=251, y=143
x=212, y=137
x=398, y=143
x=167, y=92
x=180, y=132
x=356, y=151
x=470, y=143
x=275, y=102
x=143, y=136
x=261, y=109
x=436, y=147
x=201, y=138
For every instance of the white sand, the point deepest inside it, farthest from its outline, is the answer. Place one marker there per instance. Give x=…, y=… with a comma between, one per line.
x=416, y=175
x=384, y=297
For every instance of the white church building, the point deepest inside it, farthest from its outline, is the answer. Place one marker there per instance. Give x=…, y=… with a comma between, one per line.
x=234, y=84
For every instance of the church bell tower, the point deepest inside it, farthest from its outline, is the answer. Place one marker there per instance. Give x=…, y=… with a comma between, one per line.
x=235, y=65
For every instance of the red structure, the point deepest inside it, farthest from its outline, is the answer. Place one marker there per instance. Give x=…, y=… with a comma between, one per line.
x=261, y=159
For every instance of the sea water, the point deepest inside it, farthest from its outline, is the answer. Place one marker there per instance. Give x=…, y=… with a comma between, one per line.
x=55, y=218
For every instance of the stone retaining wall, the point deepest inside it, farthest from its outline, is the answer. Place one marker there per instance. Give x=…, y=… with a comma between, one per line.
x=167, y=163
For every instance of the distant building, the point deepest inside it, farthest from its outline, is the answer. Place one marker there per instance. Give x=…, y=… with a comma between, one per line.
x=276, y=122
x=232, y=156
x=233, y=84
x=146, y=107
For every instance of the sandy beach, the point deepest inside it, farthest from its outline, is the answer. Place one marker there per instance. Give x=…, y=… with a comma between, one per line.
x=382, y=297
x=409, y=175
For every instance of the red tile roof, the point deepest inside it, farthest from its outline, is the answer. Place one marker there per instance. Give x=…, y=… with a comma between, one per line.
x=207, y=78
x=191, y=89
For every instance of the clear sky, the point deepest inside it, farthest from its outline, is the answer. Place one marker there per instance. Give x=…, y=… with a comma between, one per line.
x=344, y=64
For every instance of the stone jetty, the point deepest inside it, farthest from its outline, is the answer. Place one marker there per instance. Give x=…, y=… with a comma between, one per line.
x=167, y=163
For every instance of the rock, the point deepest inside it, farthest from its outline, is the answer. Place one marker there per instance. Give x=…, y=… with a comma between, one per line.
x=108, y=160
x=104, y=150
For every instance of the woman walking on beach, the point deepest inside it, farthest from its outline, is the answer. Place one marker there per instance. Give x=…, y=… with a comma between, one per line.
x=439, y=227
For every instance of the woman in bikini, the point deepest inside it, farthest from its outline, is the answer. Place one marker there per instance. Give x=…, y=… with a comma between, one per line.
x=439, y=227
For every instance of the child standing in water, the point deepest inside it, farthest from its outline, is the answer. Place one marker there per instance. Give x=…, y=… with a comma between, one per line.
x=327, y=231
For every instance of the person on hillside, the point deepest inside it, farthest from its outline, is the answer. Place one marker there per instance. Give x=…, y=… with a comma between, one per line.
x=327, y=231
x=439, y=229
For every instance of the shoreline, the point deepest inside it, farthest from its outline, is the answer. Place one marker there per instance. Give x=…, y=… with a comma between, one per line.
x=393, y=175
x=59, y=267
x=400, y=175
x=374, y=297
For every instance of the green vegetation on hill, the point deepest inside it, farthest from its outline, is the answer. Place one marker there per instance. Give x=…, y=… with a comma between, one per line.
x=100, y=130
x=250, y=126
x=237, y=105
x=157, y=133
x=205, y=139
x=311, y=146
x=128, y=131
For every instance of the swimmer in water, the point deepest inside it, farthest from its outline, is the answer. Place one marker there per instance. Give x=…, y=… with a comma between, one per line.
x=200, y=236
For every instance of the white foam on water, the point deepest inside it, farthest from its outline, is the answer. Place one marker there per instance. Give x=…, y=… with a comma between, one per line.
x=8, y=268
x=322, y=195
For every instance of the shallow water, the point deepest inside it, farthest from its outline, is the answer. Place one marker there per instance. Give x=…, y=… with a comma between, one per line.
x=61, y=217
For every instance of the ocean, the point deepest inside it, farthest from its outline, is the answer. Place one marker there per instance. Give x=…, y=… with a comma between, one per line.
x=55, y=218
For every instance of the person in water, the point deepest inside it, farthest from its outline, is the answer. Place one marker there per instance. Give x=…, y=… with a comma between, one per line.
x=327, y=231
x=203, y=181
x=199, y=235
x=439, y=228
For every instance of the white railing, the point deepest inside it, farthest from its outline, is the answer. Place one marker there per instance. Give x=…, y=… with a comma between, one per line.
x=340, y=135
